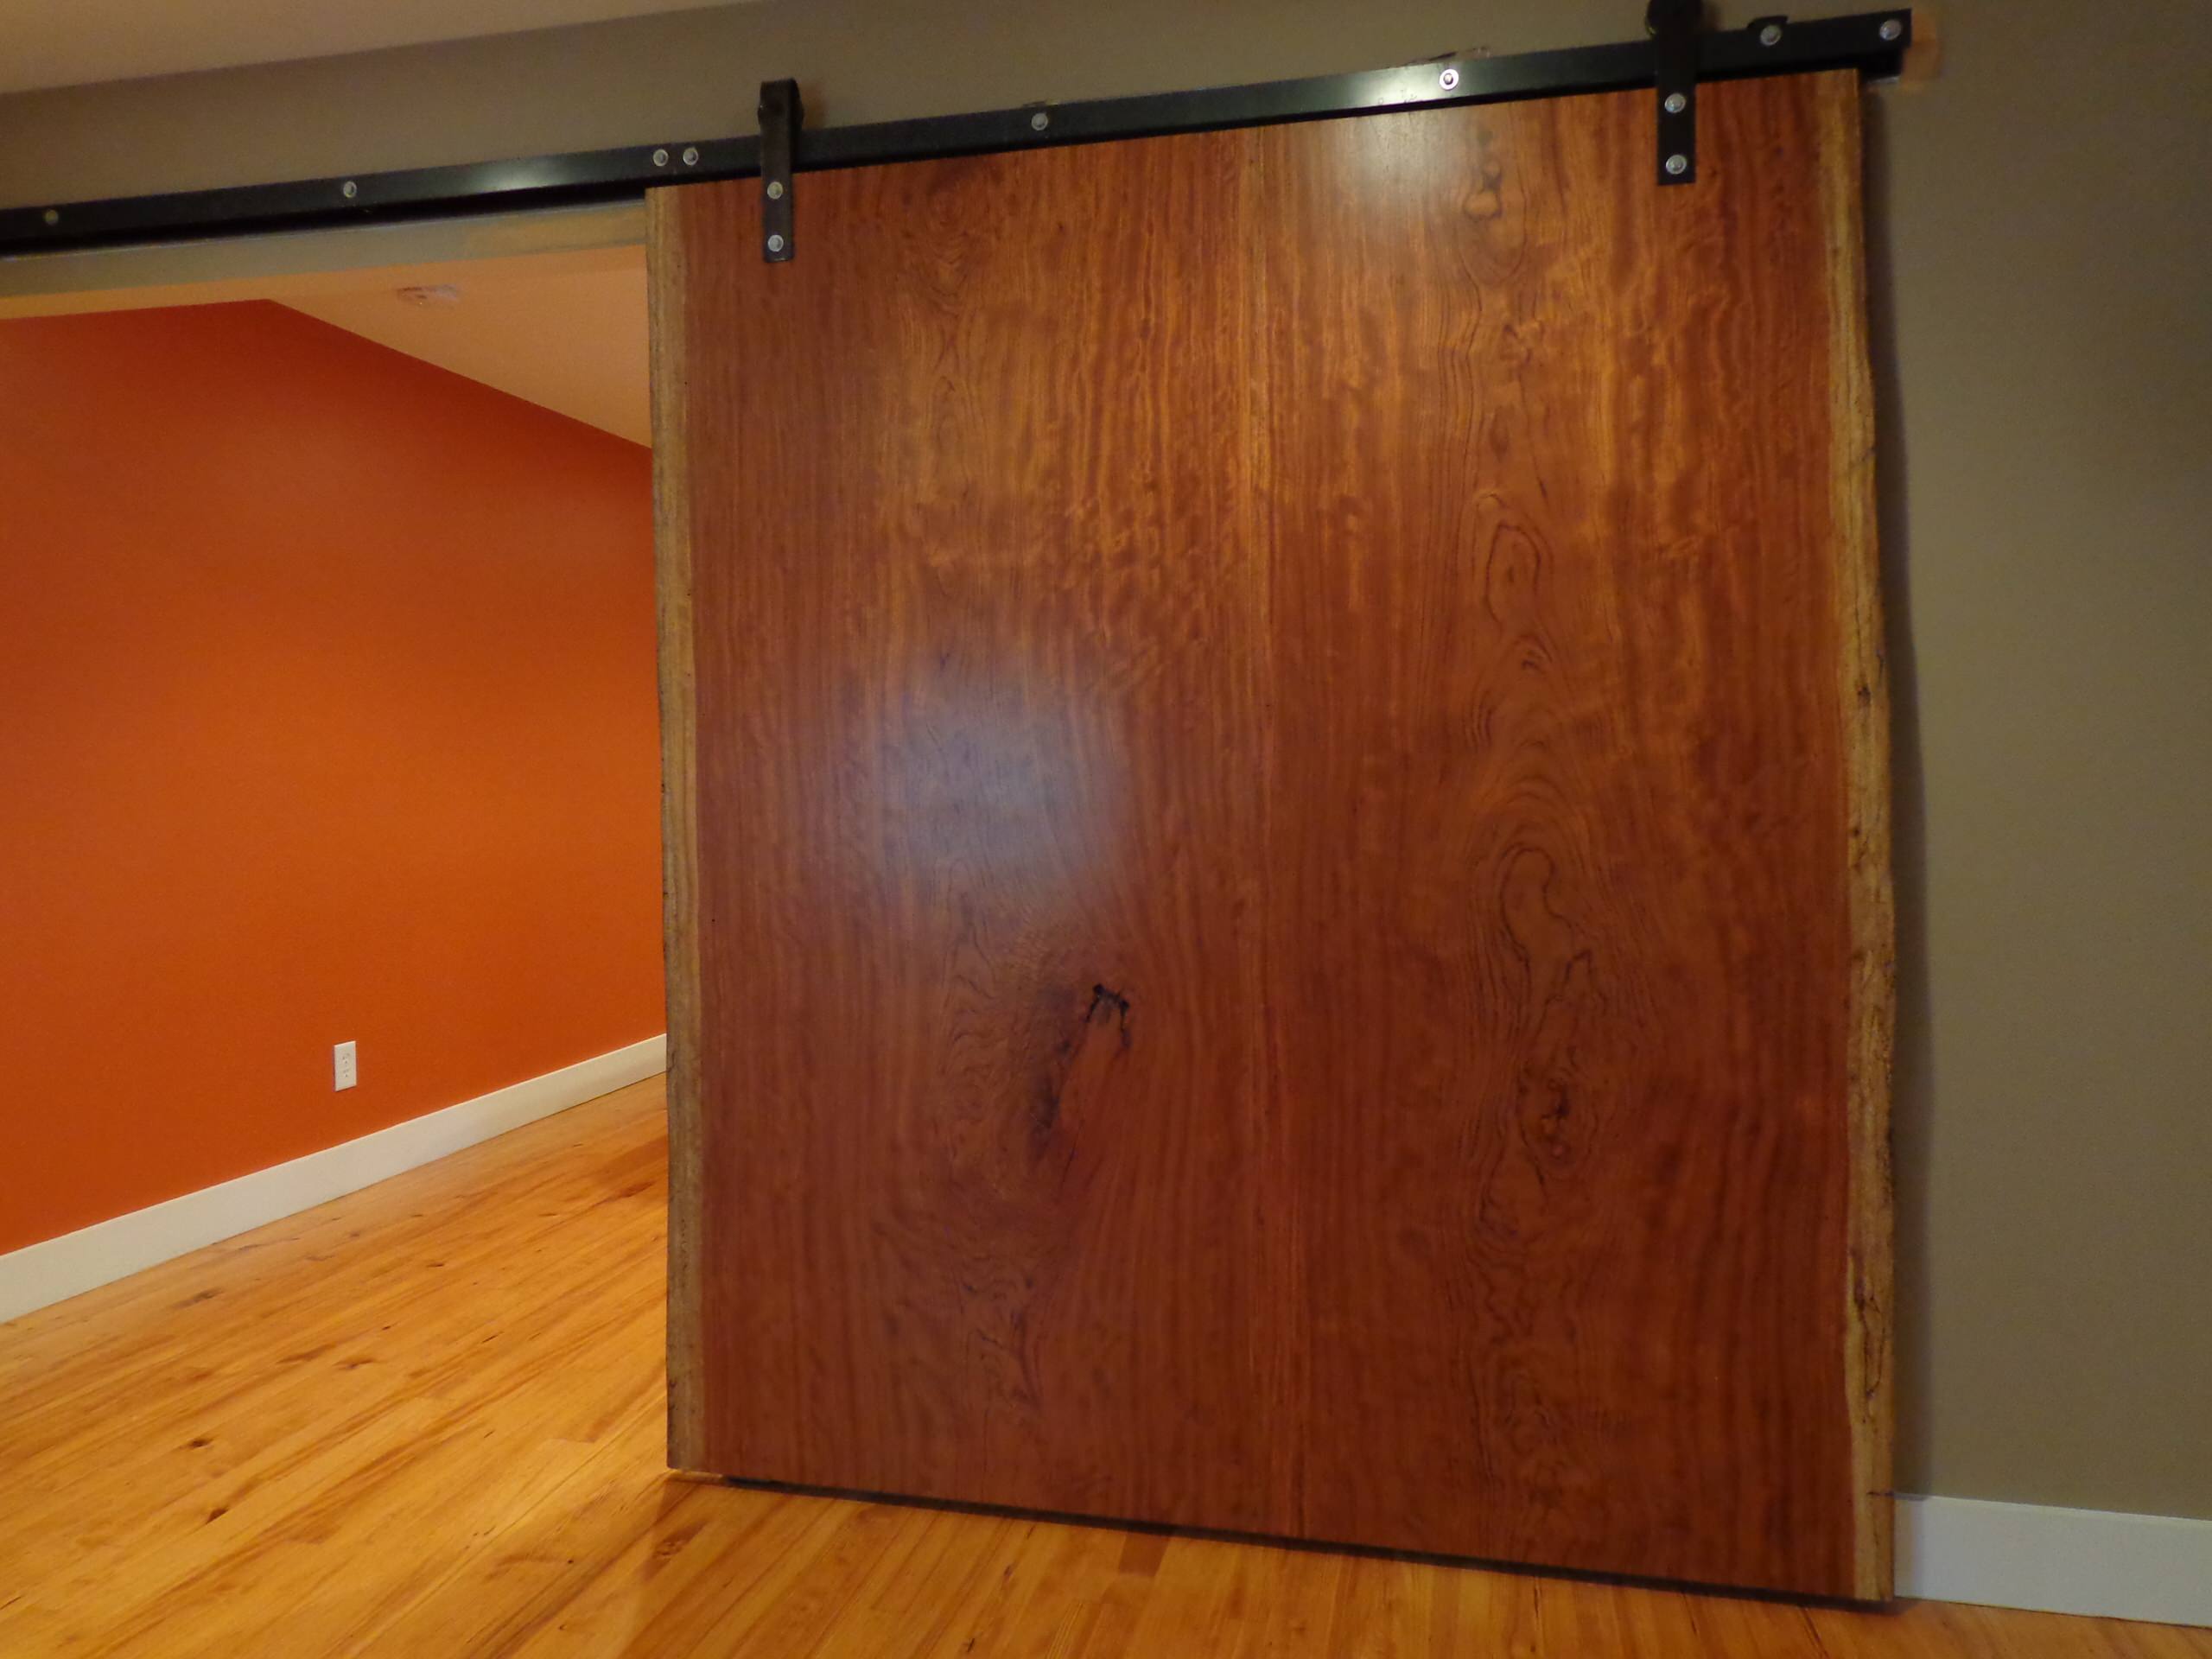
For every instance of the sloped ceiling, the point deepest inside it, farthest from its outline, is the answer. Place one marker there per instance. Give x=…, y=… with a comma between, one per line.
x=555, y=328
x=566, y=331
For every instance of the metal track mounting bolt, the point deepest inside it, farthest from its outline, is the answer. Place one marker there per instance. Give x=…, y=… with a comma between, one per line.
x=780, y=115
x=1673, y=25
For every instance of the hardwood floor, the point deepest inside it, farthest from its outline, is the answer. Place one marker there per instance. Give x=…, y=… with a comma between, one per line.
x=427, y=1421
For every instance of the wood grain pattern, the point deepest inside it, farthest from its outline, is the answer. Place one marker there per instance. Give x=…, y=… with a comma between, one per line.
x=990, y=791
x=1563, y=895
x=1291, y=883
x=1865, y=702
x=679, y=829
x=425, y=1420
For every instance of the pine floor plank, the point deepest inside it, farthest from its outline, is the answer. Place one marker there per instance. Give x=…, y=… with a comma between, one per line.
x=428, y=1420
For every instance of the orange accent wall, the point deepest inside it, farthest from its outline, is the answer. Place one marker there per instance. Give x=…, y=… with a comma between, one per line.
x=326, y=711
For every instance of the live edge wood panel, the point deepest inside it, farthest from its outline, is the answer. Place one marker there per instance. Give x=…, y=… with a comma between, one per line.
x=1279, y=910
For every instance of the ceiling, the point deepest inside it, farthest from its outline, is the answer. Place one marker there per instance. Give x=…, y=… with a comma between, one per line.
x=564, y=330
x=54, y=43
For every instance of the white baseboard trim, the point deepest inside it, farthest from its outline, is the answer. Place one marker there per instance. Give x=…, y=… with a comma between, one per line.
x=39, y=1274
x=2157, y=1567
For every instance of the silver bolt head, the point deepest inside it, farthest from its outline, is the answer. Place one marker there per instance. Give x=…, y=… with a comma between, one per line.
x=53, y=215
x=1676, y=103
x=1771, y=35
x=1678, y=165
x=349, y=189
x=1891, y=29
x=1039, y=121
x=1448, y=79
x=660, y=158
x=775, y=244
x=775, y=189
x=690, y=156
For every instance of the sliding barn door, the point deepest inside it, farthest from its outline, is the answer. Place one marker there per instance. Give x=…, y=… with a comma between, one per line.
x=1277, y=850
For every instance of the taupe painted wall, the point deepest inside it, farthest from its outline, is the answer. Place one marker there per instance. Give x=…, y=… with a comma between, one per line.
x=2041, y=234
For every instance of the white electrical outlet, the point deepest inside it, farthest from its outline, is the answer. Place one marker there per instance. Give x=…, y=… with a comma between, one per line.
x=344, y=1073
